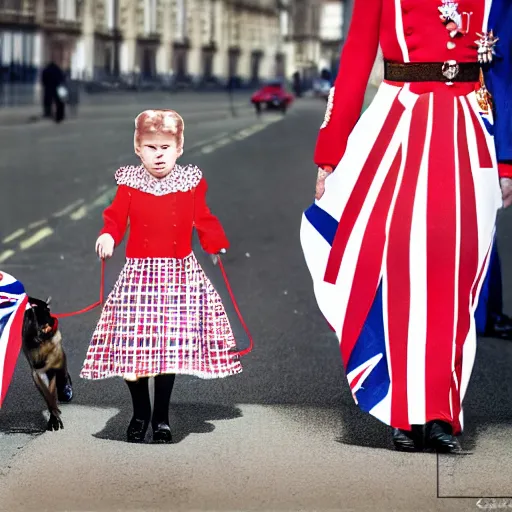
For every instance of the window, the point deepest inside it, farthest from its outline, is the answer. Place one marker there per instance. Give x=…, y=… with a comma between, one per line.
x=284, y=23
x=110, y=13
x=331, y=24
x=66, y=10
x=150, y=16
x=180, y=20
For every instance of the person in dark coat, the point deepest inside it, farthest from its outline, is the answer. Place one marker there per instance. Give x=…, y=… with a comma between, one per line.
x=52, y=79
x=297, y=85
x=491, y=321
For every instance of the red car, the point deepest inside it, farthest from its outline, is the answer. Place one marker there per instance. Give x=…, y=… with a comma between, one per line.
x=273, y=96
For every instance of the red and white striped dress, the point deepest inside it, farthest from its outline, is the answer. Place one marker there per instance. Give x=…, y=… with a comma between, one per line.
x=414, y=195
x=163, y=314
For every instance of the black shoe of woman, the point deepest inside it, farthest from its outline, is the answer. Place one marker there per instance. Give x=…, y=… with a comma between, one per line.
x=408, y=440
x=439, y=438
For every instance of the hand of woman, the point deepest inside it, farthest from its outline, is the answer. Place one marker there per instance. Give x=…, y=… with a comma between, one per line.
x=105, y=246
x=506, y=191
x=323, y=172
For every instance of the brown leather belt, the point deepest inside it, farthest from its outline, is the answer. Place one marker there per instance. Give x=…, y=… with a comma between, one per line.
x=449, y=71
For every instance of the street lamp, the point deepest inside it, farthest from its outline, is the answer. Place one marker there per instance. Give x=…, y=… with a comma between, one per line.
x=116, y=33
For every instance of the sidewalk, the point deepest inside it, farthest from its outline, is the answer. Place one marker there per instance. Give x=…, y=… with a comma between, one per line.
x=209, y=105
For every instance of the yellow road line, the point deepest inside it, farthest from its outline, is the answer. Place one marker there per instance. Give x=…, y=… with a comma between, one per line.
x=201, y=143
x=37, y=224
x=6, y=255
x=69, y=208
x=13, y=236
x=79, y=214
x=105, y=198
x=212, y=147
x=36, y=238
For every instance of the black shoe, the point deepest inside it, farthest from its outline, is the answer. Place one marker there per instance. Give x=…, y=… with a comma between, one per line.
x=440, y=438
x=136, y=432
x=162, y=434
x=66, y=393
x=499, y=326
x=408, y=441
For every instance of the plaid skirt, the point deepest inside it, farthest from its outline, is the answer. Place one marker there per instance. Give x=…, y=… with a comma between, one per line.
x=162, y=316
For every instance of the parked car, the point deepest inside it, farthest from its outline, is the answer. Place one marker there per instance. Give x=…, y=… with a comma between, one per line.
x=273, y=96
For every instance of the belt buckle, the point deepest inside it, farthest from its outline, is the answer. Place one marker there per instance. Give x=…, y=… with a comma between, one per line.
x=450, y=70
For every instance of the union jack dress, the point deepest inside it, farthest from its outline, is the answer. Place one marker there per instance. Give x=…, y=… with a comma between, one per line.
x=398, y=246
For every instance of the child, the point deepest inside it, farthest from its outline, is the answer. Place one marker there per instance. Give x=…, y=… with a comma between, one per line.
x=163, y=315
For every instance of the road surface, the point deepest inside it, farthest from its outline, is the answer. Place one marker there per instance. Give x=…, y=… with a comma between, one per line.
x=283, y=435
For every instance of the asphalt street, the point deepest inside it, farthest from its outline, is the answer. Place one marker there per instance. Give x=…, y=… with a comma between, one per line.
x=283, y=435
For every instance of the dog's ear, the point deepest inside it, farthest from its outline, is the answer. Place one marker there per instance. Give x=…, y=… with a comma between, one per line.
x=48, y=300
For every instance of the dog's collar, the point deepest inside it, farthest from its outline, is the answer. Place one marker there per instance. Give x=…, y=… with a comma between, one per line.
x=50, y=334
x=55, y=324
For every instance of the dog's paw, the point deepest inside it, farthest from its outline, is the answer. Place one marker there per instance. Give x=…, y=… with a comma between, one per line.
x=54, y=423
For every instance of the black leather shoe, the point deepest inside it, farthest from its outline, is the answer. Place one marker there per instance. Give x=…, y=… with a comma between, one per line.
x=499, y=326
x=440, y=438
x=162, y=433
x=408, y=441
x=66, y=393
x=136, y=432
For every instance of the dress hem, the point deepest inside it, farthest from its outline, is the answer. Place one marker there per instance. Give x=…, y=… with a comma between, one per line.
x=200, y=374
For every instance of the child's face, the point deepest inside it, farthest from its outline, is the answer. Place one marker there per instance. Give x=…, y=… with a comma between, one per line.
x=158, y=154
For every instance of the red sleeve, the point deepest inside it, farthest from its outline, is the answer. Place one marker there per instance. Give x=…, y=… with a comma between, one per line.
x=115, y=217
x=505, y=169
x=210, y=231
x=347, y=95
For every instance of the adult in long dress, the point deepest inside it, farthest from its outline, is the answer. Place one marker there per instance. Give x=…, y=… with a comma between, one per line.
x=398, y=240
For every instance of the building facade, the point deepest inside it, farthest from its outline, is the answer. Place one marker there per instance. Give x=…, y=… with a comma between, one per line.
x=306, y=39
x=183, y=40
x=331, y=35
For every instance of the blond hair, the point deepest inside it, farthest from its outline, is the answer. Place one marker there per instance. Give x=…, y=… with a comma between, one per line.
x=162, y=122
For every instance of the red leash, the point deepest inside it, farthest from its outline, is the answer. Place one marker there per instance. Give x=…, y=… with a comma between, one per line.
x=92, y=306
x=231, y=295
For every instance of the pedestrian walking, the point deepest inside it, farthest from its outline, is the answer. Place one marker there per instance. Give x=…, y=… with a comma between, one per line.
x=163, y=316
x=53, y=81
x=399, y=238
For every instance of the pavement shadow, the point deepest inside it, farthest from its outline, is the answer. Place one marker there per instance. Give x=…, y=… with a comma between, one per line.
x=185, y=419
x=23, y=422
x=361, y=429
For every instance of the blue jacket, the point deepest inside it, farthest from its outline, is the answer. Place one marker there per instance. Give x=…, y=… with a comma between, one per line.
x=498, y=77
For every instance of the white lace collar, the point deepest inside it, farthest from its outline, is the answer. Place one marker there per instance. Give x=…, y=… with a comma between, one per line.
x=181, y=179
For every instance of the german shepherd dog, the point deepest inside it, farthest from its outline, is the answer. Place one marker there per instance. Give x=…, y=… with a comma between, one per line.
x=42, y=346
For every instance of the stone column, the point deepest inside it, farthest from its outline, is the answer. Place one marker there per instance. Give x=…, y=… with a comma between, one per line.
x=241, y=40
x=270, y=36
x=163, y=56
x=194, y=64
x=83, y=62
x=129, y=31
x=220, y=59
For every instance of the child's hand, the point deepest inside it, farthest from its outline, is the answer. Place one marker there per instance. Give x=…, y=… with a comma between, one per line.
x=105, y=246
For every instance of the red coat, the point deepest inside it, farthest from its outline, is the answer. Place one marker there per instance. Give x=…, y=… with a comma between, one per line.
x=425, y=37
x=162, y=214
